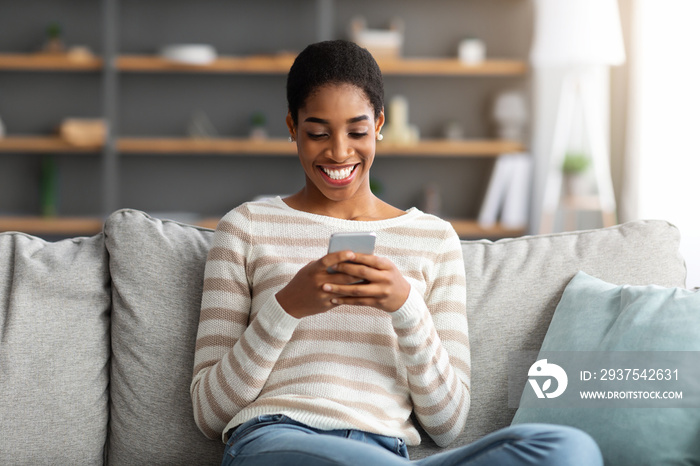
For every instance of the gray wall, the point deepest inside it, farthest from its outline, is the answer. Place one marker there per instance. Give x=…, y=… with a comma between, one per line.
x=162, y=104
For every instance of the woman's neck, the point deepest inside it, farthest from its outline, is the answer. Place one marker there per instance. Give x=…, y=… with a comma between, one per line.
x=362, y=207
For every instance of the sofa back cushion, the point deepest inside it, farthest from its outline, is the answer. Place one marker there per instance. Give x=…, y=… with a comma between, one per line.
x=54, y=350
x=514, y=285
x=513, y=288
x=157, y=269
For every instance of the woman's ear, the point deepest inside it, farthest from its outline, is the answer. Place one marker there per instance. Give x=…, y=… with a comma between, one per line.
x=379, y=123
x=290, y=125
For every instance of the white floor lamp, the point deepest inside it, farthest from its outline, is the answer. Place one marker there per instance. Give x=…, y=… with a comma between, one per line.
x=577, y=36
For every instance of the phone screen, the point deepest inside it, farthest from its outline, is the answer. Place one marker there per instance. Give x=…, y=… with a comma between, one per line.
x=360, y=242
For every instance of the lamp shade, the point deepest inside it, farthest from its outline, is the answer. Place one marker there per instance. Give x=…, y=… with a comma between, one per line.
x=577, y=32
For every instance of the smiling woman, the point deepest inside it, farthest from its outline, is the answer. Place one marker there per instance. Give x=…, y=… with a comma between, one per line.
x=336, y=113
x=311, y=357
x=336, y=140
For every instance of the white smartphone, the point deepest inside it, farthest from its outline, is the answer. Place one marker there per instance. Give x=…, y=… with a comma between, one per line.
x=360, y=242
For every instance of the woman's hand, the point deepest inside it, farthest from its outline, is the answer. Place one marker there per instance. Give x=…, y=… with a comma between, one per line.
x=382, y=284
x=304, y=294
x=367, y=281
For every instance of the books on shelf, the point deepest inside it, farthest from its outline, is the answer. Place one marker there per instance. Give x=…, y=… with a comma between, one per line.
x=508, y=194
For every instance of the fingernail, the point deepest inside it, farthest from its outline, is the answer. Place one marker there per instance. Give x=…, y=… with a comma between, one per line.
x=327, y=287
x=334, y=301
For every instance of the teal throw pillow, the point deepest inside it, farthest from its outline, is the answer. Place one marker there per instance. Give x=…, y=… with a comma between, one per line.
x=593, y=315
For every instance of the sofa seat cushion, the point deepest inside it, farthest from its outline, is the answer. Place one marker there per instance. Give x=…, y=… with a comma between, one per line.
x=54, y=350
x=157, y=269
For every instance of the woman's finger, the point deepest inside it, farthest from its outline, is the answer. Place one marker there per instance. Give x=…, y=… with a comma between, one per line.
x=330, y=261
x=353, y=290
x=376, y=262
x=363, y=273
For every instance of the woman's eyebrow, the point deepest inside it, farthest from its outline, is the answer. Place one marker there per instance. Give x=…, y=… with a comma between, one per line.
x=316, y=120
x=325, y=122
x=358, y=119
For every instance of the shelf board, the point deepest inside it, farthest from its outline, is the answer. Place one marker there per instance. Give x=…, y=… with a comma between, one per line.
x=236, y=146
x=280, y=64
x=210, y=223
x=452, y=67
x=466, y=229
x=255, y=64
x=48, y=62
x=470, y=229
x=582, y=203
x=449, y=148
x=221, y=146
x=259, y=64
x=69, y=226
x=93, y=225
x=232, y=146
x=43, y=144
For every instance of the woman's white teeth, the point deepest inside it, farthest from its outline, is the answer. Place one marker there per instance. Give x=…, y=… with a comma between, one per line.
x=338, y=174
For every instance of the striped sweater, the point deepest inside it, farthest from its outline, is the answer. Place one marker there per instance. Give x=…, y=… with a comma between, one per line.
x=352, y=367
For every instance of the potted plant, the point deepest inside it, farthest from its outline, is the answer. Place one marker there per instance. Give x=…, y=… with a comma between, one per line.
x=575, y=166
x=54, y=40
x=257, y=126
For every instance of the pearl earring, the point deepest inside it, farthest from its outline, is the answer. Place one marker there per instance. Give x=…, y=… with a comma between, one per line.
x=291, y=139
x=380, y=136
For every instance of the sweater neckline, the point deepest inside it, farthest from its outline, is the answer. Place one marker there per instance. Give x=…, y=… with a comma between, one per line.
x=408, y=215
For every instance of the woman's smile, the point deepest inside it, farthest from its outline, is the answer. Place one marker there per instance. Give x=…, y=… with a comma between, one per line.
x=338, y=175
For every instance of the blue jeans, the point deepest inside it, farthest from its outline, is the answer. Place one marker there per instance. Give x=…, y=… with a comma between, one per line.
x=272, y=440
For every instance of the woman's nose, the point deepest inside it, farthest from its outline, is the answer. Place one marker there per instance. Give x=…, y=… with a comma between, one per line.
x=340, y=148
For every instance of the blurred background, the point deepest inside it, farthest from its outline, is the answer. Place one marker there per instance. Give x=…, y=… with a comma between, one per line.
x=506, y=117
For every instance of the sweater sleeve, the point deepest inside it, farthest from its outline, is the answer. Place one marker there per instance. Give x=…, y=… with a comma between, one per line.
x=433, y=342
x=233, y=357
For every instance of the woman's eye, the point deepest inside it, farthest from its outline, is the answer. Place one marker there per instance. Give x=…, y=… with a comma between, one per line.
x=316, y=136
x=357, y=135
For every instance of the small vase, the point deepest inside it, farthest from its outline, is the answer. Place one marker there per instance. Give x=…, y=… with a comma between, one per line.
x=575, y=184
x=54, y=45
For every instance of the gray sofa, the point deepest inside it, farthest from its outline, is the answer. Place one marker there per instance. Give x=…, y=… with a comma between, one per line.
x=97, y=333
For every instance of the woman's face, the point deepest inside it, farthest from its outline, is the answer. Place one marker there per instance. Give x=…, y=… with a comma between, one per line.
x=336, y=136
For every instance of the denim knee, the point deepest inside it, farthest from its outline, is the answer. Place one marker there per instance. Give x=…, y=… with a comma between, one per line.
x=565, y=445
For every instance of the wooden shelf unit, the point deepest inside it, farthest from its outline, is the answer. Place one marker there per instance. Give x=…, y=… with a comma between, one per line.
x=279, y=64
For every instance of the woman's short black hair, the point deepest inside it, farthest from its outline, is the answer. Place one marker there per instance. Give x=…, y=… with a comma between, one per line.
x=334, y=62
